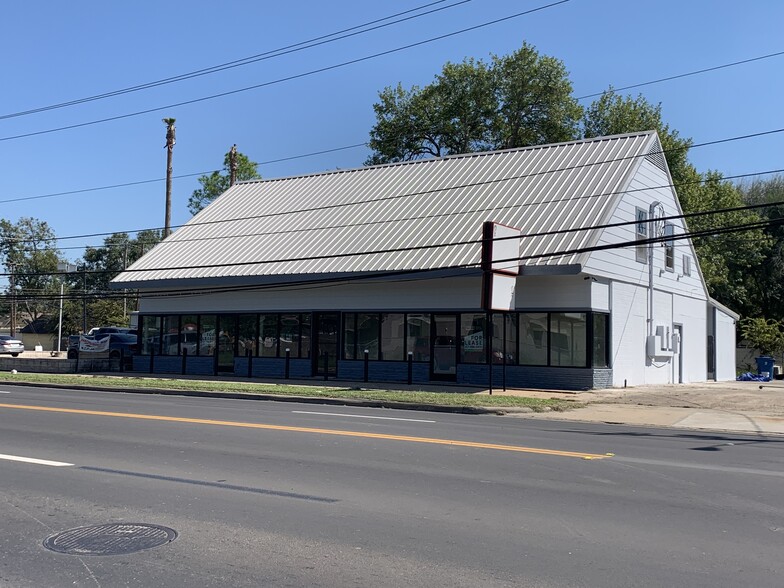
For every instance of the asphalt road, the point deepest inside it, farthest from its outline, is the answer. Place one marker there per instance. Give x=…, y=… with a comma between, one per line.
x=284, y=494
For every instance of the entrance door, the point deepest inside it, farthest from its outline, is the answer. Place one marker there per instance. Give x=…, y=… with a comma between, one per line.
x=677, y=356
x=326, y=327
x=443, y=362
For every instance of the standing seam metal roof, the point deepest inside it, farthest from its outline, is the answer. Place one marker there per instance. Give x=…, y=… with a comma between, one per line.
x=261, y=228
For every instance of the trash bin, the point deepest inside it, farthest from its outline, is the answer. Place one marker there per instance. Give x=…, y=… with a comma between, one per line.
x=764, y=366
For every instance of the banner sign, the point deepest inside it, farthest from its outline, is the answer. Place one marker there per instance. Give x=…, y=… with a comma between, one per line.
x=500, y=265
x=92, y=346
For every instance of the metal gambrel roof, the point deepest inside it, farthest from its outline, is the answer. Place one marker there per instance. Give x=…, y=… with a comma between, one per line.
x=272, y=227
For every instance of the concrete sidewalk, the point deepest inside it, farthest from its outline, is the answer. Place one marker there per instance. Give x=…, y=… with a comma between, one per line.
x=748, y=407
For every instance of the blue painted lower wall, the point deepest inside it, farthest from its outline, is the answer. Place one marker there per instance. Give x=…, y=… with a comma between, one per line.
x=553, y=378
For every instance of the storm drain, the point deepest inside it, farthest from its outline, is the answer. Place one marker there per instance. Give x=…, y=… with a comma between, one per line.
x=111, y=539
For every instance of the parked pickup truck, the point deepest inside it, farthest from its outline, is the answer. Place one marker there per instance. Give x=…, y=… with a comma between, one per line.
x=120, y=345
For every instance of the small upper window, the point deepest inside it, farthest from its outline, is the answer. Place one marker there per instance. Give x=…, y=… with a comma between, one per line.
x=641, y=233
x=669, y=247
x=686, y=265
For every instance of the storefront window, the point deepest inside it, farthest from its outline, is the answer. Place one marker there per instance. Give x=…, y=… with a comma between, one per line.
x=305, y=337
x=151, y=335
x=189, y=334
x=367, y=335
x=534, y=341
x=472, y=338
x=248, y=336
x=601, y=341
x=289, y=335
x=170, y=335
x=505, y=338
x=392, y=339
x=568, y=338
x=207, y=334
x=268, y=338
x=418, y=336
x=349, y=336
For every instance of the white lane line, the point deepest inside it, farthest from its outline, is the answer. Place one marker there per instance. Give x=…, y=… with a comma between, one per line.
x=34, y=460
x=361, y=416
x=4, y=392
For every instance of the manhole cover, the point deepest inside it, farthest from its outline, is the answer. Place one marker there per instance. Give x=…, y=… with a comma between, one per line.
x=112, y=539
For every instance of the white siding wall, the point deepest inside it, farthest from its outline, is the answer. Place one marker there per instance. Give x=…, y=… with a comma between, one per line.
x=628, y=327
x=694, y=346
x=725, y=346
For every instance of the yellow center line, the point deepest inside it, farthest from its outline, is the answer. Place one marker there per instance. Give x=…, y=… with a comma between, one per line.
x=410, y=439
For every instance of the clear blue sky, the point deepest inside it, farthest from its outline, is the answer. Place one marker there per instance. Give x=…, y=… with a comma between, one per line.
x=56, y=52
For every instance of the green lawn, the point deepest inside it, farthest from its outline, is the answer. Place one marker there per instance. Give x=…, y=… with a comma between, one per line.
x=456, y=399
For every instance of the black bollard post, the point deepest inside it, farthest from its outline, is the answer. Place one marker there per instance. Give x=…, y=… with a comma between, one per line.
x=184, y=366
x=286, y=365
x=249, y=355
x=152, y=360
x=122, y=360
x=410, y=367
x=326, y=365
x=367, y=365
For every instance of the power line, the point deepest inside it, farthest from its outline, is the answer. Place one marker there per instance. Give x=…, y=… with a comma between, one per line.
x=457, y=186
x=302, y=45
x=287, y=78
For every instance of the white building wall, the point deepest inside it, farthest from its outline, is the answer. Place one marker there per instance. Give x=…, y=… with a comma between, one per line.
x=725, y=346
x=693, y=316
x=553, y=292
x=628, y=327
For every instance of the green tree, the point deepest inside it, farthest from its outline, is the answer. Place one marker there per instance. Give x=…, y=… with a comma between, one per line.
x=513, y=101
x=216, y=183
x=768, y=279
x=28, y=250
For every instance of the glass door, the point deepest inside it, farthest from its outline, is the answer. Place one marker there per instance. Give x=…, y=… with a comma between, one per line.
x=326, y=329
x=227, y=335
x=443, y=363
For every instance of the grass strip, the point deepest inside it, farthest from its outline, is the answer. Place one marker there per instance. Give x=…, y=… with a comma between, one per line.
x=458, y=399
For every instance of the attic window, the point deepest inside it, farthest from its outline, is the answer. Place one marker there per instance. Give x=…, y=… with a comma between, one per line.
x=686, y=265
x=669, y=247
x=641, y=234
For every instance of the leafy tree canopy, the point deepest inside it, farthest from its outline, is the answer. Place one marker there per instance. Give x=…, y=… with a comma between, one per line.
x=513, y=101
x=216, y=183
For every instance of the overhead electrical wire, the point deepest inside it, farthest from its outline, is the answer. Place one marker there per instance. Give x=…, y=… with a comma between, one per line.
x=286, y=78
x=457, y=186
x=300, y=46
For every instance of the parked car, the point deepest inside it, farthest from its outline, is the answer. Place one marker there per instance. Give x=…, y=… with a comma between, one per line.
x=101, y=332
x=10, y=346
x=120, y=345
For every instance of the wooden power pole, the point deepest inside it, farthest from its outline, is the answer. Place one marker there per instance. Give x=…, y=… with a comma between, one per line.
x=233, y=165
x=12, y=284
x=170, y=141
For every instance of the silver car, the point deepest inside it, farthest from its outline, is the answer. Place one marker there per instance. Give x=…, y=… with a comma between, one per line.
x=10, y=345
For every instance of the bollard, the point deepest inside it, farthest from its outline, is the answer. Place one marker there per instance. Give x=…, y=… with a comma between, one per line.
x=286, y=365
x=122, y=360
x=410, y=367
x=326, y=365
x=184, y=367
x=152, y=360
x=367, y=365
x=249, y=355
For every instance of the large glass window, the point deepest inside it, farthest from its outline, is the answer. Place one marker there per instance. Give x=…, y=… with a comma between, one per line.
x=248, y=335
x=189, y=334
x=418, y=336
x=170, y=335
x=534, y=340
x=472, y=338
x=289, y=334
x=392, y=336
x=268, y=337
x=367, y=335
x=207, y=326
x=151, y=335
x=505, y=338
x=349, y=335
x=568, y=339
x=304, y=343
x=601, y=341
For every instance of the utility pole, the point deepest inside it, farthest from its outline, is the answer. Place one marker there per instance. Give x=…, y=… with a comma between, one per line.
x=233, y=165
x=170, y=141
x=12, y=284
x=125, y=290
